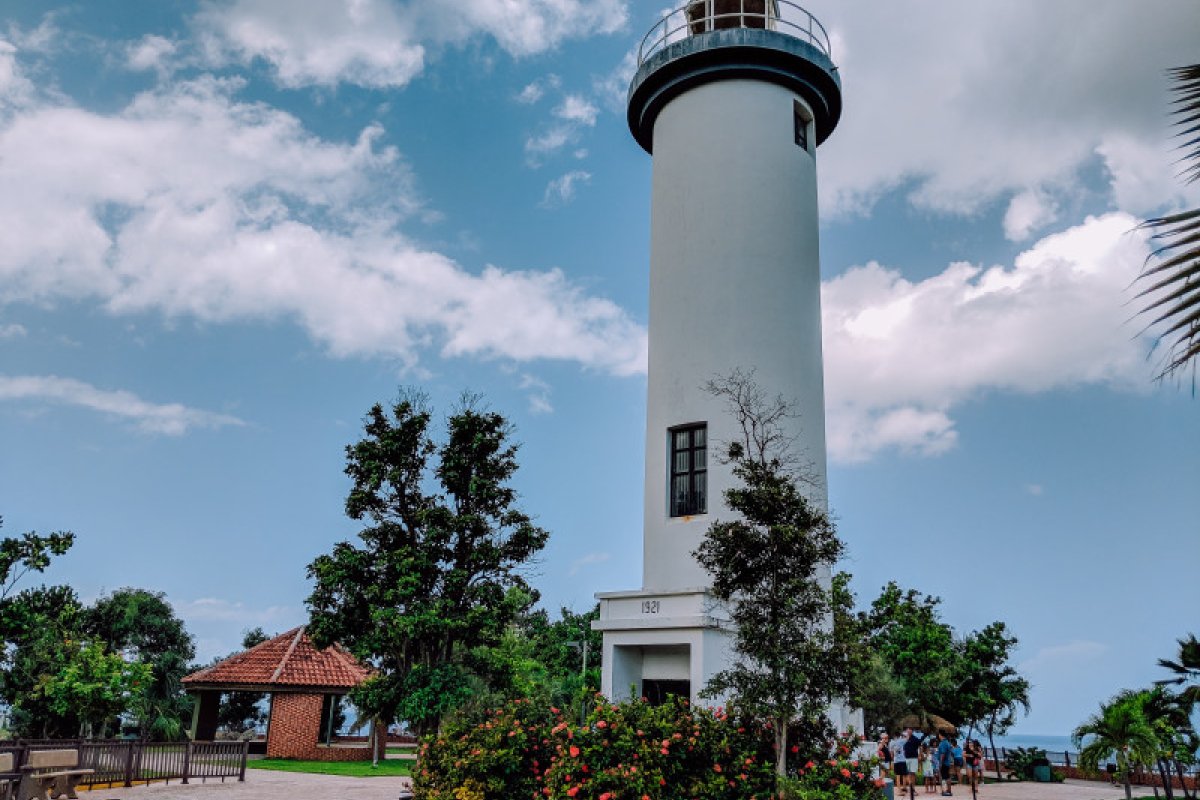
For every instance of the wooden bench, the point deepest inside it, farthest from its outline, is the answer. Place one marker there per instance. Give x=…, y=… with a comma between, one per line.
x=8, y=776
x=48, y=774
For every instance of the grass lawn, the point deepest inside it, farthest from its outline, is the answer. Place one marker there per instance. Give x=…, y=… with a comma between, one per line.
x=353, y=769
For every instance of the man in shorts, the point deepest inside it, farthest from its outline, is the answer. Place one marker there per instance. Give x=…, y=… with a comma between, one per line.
x=900, y=765
x=945, y=758
x=911, y=747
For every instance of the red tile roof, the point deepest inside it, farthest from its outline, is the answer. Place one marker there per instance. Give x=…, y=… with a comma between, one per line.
x=288, y=661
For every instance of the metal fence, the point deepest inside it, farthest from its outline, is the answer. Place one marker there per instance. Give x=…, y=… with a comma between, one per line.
x=1066, y=758
x=126, y=762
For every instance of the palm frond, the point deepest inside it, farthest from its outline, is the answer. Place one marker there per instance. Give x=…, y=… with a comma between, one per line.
x=1176, y=237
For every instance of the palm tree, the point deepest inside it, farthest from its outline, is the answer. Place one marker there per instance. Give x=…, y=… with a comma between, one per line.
x=1177, y=241
x=1120, y=728
x=1186, y=669
x=1169, y=716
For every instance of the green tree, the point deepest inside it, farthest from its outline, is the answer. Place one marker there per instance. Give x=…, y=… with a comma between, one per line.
x=906, y=631
x=874, y=687
x=991, y=691
x=1175, y=271
x=540, y=658
x=1121, y=729
x=40, y=625
x=95, y=684
x=142, y=626
x=770, y=567
x=438, y=571
x=242, y=711
x=29, y=552
x=35, y=625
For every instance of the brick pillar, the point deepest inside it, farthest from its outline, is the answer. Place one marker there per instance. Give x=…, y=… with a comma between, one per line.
x=295, y=725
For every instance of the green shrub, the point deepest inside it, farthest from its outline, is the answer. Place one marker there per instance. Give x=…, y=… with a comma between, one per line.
x=1020, y=762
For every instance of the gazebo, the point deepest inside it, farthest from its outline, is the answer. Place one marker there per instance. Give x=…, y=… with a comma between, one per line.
x=305, y=685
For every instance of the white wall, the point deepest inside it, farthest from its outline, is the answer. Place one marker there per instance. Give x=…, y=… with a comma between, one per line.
x=734, y=283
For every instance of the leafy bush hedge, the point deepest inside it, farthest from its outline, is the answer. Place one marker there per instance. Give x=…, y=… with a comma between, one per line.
x=627, y=751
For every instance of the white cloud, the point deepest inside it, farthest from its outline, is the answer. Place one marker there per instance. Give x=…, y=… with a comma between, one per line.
x=538, y=392
x=365, y=42
x=12, y=330
x=613, y=88
x=561, y=190
x=215, y=609
x=1027, y=212
x=530, y=94
x=190, y=203
x=1076, y=654
x=576, y=108
x=383, y=43
x=151, y=53
x=588, y=560
x=548, y=142
x=536, y=90
x=1035, y=489
x=15, y=88
x=574, y=114
x=900, y=355
x=969, y=103
x=171, y=419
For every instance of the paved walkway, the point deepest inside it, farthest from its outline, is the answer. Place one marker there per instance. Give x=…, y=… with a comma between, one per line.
x=1026, y=790
x=269, y=785
x=264, y=784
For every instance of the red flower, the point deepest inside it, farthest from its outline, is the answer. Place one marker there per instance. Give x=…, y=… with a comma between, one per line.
x=574, y=751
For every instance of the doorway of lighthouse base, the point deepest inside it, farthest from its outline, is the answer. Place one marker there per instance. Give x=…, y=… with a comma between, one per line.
x=653, y=671
x=658, y=690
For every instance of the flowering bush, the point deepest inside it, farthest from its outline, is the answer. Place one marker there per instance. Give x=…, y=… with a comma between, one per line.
x=840, y=776
x=627, y=751
x=635, y=751
x=504, y=754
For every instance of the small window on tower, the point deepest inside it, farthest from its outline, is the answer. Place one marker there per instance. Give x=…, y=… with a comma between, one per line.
x=801, y=119
x=689, y=470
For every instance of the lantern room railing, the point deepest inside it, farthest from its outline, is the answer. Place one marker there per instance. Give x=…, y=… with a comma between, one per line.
x=703, y=16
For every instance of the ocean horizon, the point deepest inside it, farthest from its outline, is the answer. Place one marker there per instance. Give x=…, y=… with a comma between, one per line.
x=1049, y=742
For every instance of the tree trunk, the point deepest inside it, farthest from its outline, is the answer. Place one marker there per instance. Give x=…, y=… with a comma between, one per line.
x=1165, y=773
x=1183, y=780
x=1128, y=787
x=780, y=755
x=992, y=744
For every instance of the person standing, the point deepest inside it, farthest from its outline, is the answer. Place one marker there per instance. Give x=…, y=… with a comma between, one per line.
x=927, y=770
x=899, y=765
x=974, y=759
x=912, y=752
x=885, y=756
x=945, y=758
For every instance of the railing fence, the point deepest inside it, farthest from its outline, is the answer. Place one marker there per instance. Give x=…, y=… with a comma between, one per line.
x=1066, y=758
x=127, y=761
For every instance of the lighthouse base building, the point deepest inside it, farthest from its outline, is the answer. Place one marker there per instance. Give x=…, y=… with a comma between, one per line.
x=731, y=98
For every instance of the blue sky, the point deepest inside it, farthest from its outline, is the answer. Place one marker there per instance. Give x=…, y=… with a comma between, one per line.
x=227, y=228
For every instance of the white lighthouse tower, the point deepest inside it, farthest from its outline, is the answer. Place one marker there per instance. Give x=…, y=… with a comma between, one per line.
x=731, y=98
